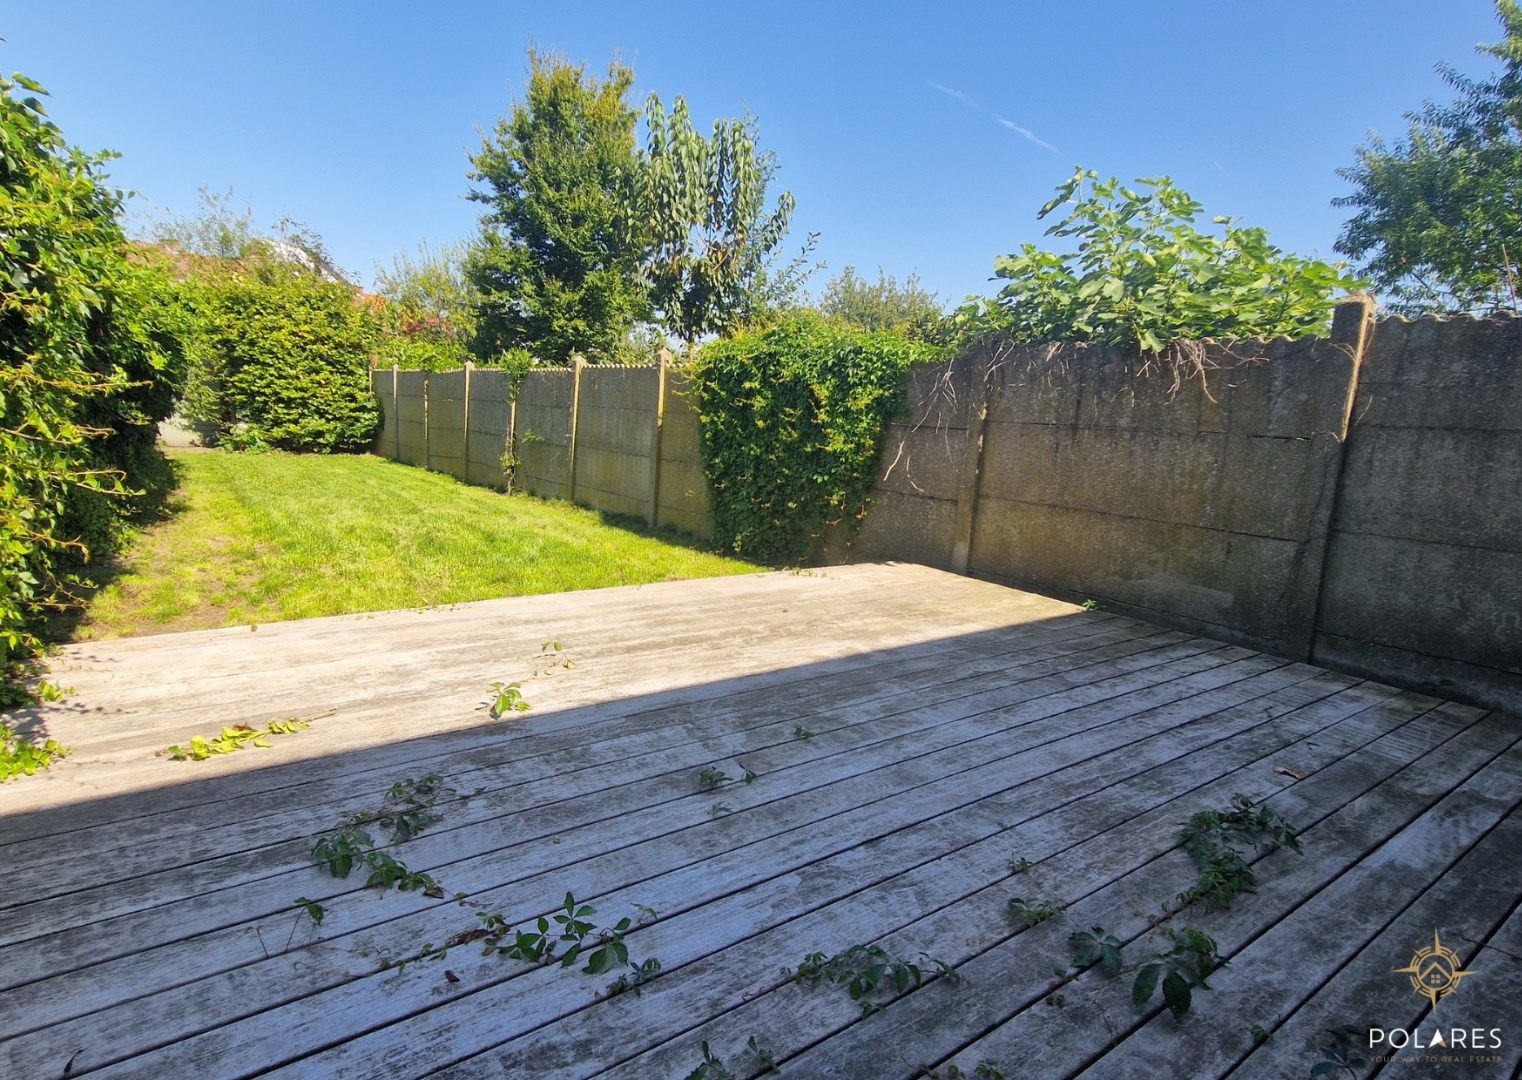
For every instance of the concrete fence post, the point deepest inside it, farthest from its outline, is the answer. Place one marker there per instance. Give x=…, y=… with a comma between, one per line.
x=1353, y=330
x=427, y=433
x=465, y=411
x=577, y=364
x=510, y=475
x=966, y=514
x=662, y=362
x=396, y=412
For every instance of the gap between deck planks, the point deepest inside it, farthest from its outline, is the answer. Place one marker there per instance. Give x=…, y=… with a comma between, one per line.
x=956, y=726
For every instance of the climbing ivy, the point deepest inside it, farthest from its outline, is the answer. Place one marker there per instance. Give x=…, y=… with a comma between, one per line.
x=793, y=419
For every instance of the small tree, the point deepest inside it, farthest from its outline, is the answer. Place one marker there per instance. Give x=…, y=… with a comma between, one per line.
x=1144, y=275
x=1438, y=214
x=884, y=304
x=556, y=267
x=429, y=310
x=704, y=204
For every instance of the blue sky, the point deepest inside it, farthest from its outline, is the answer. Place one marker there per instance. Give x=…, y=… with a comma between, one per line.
x=915, y=136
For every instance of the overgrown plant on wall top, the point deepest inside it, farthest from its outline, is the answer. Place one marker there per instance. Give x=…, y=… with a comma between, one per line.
x=1143, y=274
x=793, y=419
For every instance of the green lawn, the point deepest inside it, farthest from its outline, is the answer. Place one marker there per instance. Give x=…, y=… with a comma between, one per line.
x=263, y=537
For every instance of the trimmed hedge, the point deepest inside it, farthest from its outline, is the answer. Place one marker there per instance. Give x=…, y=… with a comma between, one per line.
x=282, y=360
x=793, y=419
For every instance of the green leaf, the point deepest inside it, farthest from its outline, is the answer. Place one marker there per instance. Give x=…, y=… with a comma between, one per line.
x=1176, y=993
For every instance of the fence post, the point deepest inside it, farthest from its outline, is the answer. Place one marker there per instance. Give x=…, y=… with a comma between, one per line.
x=662, y=360
x=465, y=435
x=1353, y=331
x=510, y=475
x=577, y=363
x=972, y=472
x=396, y=413
x=427, y=428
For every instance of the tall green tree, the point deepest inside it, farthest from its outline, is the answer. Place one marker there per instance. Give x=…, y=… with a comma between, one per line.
x=704, y=203
x=1438, y=213
x=556, y=266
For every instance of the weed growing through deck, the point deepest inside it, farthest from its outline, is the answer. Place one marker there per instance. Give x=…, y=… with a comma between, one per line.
x=568, y=936
x=984, y=1070
x=23, y=757
x=1184, y=968
x=238, y=737
x=718, y=810
x=1020, y=866
x=1096, y=946
x=1343, y=1054
x=406, y=812
x=1215, y=840
x=1027, y=913
x=864, y=969
x=506, y=698
x=713, y=1067
x=1181, y=970
x=711, y=778
x=553, y=656
x=801, y=732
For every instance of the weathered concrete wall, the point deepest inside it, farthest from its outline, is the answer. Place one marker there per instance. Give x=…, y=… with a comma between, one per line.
x=411, y=417
x=682, y=492
x=615, y=438
x=600, y=424
x=1425, y=572
x=1206, y=506
x=543, y=436
x=489, y=427
x=446, y=422
x=923, y=494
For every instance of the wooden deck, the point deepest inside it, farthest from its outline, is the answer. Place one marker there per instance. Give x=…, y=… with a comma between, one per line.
x=912, y=735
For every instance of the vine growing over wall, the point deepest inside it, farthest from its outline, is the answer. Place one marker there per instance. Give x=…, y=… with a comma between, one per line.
x=793, y=418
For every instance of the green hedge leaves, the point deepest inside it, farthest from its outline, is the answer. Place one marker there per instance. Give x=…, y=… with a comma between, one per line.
x=793, y=419
x=282, y=360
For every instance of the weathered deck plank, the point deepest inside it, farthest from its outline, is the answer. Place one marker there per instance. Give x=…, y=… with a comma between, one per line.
x=1007, y=970
x=953, y=726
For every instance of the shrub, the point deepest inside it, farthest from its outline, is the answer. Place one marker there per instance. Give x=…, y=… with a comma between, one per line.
x=141, y=338
x=411, y=353
x=1143, y=275
x=83, y=376
x=282, y=359
x=885, y=304
x=793, y=419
